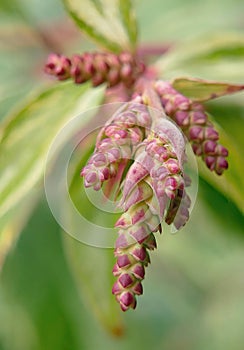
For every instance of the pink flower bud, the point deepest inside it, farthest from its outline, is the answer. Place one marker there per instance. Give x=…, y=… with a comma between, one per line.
x=127, y=300
x=116, y=288
x=197, y=149
x=182, y=118
x=115, y=132
x=173, y=166
x=196, y=133
x=139, y=233
x=172, y=183
x=97, y=79
x=210, y=147
x=126, y=71
x=137, y=288
x=198, y=118
x=58, y=65
x=123, y=261
x=181, y=102
x=125, y=280
x=221, y=150
x=210, y=162
x=116, y=271
x=221, y=165
x=170, y=107
x=211, y=134
x=140, y=254
x=113, y=77
x=138, y=271
x=138, y=215
x=98, y=159
x=136, y=135
x=90, y=179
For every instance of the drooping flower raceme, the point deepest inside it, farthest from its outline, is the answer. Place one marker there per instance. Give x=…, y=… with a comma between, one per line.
x=151, y=184
x=99, y=67
x=193, y=120
x=152, y=189
x=140, y=155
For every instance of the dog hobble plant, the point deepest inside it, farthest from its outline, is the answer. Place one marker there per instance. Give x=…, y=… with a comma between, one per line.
x=142, y=149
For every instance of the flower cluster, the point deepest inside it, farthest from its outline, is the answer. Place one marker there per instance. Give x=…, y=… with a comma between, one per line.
x=116, y=143
x=152, y=182
x=193, y=120
x=98, y=67
x=143, y=153
x=151, y=190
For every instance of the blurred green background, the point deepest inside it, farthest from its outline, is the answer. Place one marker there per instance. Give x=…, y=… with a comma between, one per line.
x=194, y=289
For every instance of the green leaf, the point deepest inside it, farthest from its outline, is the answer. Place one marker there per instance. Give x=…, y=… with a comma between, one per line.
x=203, y=90
x=111, y=23
x=13, y=222
x=92, y=271
x=169, y=21
x=19, y=59
x=10, y=7
x=129, y=20
x=27, y=134
x=219, y=57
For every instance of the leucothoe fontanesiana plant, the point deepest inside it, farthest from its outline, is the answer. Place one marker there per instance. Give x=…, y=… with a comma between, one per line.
x=141, y=151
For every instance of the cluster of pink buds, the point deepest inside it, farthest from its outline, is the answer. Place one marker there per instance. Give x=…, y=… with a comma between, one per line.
x=152, y=187
x=143, y=154
x=193, y=120
x=98, y=67
x=116, y=144
x=152, y=183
